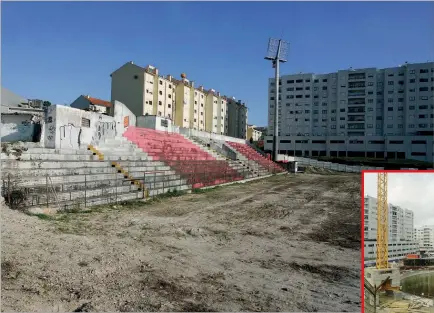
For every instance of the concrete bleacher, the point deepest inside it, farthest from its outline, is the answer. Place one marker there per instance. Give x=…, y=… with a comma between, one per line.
x=199, y=167
x=247, y=168
x=65, y=178
x=251, y=154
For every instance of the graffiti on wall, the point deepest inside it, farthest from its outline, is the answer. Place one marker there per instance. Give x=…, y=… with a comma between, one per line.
x=70, y=136
x=103, y=130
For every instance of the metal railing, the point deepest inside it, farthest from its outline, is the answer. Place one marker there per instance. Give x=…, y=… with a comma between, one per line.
x=334, y=166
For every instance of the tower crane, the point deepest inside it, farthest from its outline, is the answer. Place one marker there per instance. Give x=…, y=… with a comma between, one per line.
x=382, y=261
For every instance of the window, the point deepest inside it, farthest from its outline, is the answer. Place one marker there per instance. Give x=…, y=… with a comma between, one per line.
x=160, y=92
x=400, y=108
x=390, y=109
x=169, y=96
x=85, y=122
x=370, y=126
x=160, y=103
x=412, y=80
x=423, y=107
x=390, y=82
x=423, y=89
x=161, y=82
x=411, y=98
x=150, y=102
x=342, y=110
x=390, y=100
x=324, y=80
x=324, y=88
x=423, y=98
x=307, y=88
x=290, y=81
x=370, y=101
x=424, y=70
x=389, y=125
x=333, y=127
x=307, y=96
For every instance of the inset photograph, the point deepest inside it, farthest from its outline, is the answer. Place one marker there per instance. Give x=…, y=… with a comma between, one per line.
x=398, y=241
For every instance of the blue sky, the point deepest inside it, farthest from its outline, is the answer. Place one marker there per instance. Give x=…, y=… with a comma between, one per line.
x=59, y=50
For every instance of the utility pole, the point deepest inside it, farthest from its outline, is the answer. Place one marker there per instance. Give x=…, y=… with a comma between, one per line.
x=277, y=51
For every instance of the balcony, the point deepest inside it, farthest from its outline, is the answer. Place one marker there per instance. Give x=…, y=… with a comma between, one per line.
x=356, y=101
x=356, y=93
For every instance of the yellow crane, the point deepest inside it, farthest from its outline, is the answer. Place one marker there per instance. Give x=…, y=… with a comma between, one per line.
x=382, y=261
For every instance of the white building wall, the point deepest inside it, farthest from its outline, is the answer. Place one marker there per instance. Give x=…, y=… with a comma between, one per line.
x=70, y=128
x=392, y=104
x=425, y=236
x=401, y=233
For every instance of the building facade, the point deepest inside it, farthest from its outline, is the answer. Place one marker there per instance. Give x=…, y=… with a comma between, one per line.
x=253, y=132
x=89, y=103
x=362, y=113
x=237, y=118
x=401, y=230
x=425, y=236
x=145, y=92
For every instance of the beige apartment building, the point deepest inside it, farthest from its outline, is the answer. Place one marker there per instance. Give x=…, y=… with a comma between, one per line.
x=145, y=92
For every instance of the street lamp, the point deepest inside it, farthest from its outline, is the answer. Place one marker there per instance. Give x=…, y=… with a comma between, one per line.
x=277, y=52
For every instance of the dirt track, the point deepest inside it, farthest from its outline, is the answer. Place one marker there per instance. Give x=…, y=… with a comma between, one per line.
x=289, y=243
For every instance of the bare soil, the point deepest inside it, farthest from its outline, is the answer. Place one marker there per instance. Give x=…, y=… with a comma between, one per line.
x=287, y=243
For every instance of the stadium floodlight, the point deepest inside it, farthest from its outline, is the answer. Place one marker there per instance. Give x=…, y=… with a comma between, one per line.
x=277, y=53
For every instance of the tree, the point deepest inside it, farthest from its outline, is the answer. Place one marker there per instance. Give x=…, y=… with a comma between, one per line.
x=46, y=103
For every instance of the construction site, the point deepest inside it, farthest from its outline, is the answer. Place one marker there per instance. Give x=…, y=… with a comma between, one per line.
x=148, y=220
x=395, y=287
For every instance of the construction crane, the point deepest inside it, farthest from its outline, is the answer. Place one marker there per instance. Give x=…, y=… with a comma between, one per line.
x=382, y=261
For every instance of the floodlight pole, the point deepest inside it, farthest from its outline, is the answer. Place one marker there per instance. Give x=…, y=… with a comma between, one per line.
x=276, y=64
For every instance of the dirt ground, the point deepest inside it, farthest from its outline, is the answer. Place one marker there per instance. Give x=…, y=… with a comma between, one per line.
x=286, y=243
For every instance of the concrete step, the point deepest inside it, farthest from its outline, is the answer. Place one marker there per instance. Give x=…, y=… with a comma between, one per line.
x=151, y=177
x=56, y=164
x=59, y=171
x=143, y=163
x=149, y=170
x=73, y=179
x=165, y=184
x=105, y=200
x=83, y=151
x=97, y=192
x=57, y=157
x=89, y=201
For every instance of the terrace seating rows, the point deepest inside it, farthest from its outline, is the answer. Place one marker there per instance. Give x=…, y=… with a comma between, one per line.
x=197, y=166
x=253, y=155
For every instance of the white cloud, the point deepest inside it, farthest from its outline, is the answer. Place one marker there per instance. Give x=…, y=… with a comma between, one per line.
x=408, y=190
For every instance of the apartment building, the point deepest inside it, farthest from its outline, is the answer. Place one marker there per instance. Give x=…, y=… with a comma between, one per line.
x=401, y=230
x=424, y=236
x=197, y=119
x=253, y=132
x=145, y=92
x=366, y=112
x=237, y=118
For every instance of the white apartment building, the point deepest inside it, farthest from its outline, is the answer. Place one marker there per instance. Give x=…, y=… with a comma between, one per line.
x=145, y=92
x=401, y=229
x=366, y=112
x=237, y=118
x=424, y=236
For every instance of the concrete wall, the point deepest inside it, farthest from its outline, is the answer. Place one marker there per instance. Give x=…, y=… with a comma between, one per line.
x=201, y=134
x=70, y=128
x=18, y=127
x=156, y=122
x=123, y=117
